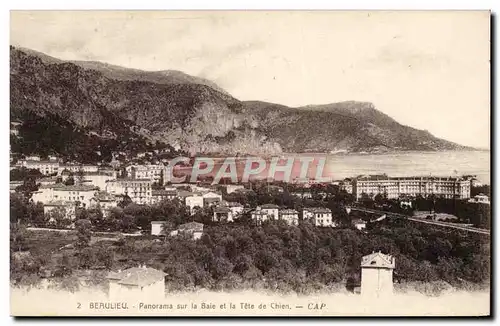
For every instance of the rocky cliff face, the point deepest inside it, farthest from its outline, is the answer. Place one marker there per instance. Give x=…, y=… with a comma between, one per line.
x=184, y=111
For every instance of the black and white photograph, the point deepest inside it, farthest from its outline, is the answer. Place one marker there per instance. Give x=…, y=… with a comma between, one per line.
x=250, y=163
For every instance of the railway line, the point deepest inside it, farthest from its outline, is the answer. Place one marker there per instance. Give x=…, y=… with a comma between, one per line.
x=419, y=220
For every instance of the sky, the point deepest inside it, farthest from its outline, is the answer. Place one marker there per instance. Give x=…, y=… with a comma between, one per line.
x=428, y=70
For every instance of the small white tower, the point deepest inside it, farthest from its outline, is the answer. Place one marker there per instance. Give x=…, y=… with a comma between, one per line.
x=376, y=274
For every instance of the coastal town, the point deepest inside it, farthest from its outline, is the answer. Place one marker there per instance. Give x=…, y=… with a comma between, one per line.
x=106, y=206
x=63, y=188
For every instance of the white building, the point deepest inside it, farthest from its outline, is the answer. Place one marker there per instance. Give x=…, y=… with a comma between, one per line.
x=222, y=214
x=77, y=193
x=98, y=179
x=69, y=209
x=152, y=172
x=290, y=216
x=236, y=208
x=158, y=227
x=195, y=200
x=160, y=195
x=137, y=283
x=44, y=194
x=45, y=167
x=259, y=216
x=76, y=168
x=319, y=216
x=139, y=190
x=211, y=199
x=232, y=188
x=376, y=275
x=480, y=199
x=394, y=187
x=106, y=202
x=271, y=210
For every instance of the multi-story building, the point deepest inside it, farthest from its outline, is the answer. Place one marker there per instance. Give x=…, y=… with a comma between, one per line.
x=45, y=167
x=480, y=199
x=222, y=214
x=271, y=210
x=259, y=216
x=76, y=168
x=152, y=172
x=236, y=208
x=290, y=216
x=139, y=190
x=45, y=193
x=77, y=193
x=394, y=187
x=319, y=216
x=98, y=179
x=162, y=194
x=104, y=201
x=68, y=207
x=47, y=181
x=193, y=201
x=211, y=199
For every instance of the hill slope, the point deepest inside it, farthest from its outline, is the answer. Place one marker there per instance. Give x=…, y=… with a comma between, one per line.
x=116, y=105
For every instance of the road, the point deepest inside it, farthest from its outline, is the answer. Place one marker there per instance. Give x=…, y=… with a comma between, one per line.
x=419, y=220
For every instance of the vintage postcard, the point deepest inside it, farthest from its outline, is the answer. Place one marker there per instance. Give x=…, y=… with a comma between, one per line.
x=250, y=163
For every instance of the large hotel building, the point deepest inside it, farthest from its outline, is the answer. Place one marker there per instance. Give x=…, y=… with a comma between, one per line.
x=395, y=187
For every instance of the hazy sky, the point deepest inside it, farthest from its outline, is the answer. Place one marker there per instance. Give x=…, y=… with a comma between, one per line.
x=429, y=70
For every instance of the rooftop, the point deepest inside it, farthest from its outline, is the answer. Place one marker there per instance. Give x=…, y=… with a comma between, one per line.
x=59, y=203
x=233, y=204
x=104, y=196
x=378, y=260
x=192, y=226
x=138, y=276
x=288, y=211
x=222, y=210
x=161, y=192
x=76, y=188
x=318, y=210
x=384, y=177
x=41, y=162
x=269, y=206
x=211, y=199
x=132, y=180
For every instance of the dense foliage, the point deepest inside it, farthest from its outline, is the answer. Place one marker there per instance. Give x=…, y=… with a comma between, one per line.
x=285, y=258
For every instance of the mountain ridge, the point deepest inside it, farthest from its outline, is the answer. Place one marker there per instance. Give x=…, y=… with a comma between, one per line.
x=195, y=114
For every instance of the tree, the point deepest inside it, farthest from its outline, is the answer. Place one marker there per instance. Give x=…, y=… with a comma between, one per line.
x=79, y=176
x=28, y=187
x=70, y=181
x=126, y=200
x=36, y=215
x=87, y=257
x=97, y=219
x=17, y=237
x=83, y=233
x=104, y=257
x=24, y=174
x=58, y=217
x=127, y=224
x=18, y=209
